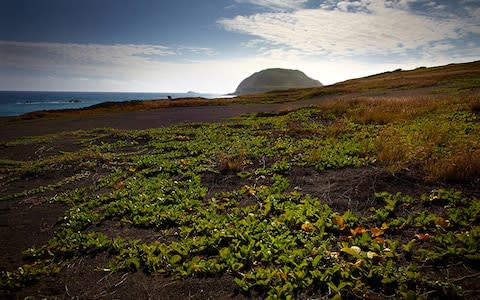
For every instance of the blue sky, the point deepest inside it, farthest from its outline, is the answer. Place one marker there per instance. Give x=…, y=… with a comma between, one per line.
x=211, y=45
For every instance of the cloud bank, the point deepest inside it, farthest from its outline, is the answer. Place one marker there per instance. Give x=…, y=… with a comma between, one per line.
x=357, y=28
x=276, y=4
x=102, y=67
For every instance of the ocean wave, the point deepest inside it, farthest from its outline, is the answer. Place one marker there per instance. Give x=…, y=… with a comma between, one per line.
x=30, y=102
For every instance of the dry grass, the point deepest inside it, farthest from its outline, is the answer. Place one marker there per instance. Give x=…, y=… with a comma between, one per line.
x=444, y=76
x=472, y=101
x=338, y=106
x=443, y=146
x=384, y=110
x=337, y=128
x=231, y=163
x=461, y=166
x=393, y=151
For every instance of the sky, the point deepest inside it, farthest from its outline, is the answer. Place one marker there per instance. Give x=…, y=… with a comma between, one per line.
x=209, y=46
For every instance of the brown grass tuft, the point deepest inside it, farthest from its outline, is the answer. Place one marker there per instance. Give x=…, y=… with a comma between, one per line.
x=392, y=152
x=228, y=163
x=461, y=166
x=473, y=102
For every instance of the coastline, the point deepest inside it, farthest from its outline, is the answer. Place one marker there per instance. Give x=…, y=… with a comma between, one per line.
x=15, y=103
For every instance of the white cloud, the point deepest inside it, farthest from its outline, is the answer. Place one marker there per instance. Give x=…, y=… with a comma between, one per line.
x=28, y=65
x=276, y=4
x=182, y=50
x=354, y=28
x=44, y=54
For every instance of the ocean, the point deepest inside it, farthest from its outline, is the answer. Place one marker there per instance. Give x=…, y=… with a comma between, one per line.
x=14, y=103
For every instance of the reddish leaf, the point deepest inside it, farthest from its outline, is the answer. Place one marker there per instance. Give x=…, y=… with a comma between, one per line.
x=423, y=236
x=307, y=227
x=358, y=231
x=441, y=222
x=120, y=185
x=376, y=232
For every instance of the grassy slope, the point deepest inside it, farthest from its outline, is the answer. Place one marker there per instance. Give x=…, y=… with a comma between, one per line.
x=275, y=239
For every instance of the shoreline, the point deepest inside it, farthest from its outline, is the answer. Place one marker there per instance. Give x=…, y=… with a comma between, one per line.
x=15, y=103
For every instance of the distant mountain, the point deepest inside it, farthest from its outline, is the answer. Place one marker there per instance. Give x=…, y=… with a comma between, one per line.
x=275, y=79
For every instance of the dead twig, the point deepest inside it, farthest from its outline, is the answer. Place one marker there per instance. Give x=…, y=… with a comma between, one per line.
x=466, y=277
x=123, y=278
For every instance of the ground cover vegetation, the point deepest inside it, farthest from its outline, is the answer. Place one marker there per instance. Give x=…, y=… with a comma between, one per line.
x=245, y=200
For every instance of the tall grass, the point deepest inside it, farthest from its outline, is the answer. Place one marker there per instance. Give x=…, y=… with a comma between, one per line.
x=440, y=138
x=384, y=110
x=463, y=165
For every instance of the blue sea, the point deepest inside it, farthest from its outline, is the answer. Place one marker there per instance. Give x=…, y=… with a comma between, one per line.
x=14, y=103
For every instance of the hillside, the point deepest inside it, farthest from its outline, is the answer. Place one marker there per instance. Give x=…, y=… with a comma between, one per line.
x=274, y=80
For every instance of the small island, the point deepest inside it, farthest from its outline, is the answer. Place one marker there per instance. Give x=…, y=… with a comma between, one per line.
x=274, y=80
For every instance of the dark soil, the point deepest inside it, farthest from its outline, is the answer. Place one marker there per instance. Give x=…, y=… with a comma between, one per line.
x=11, y=129
x=79, y=279
x=40, y=150
x=25, y=223
x=352, y=188
x=218, y=183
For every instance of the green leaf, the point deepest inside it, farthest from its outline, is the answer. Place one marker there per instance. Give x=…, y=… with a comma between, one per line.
x=338, y=288
x=353, y=251
x=175, y=259
x=316, y=260
x=408, y=246
x=241, y=283
x=237, y=266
